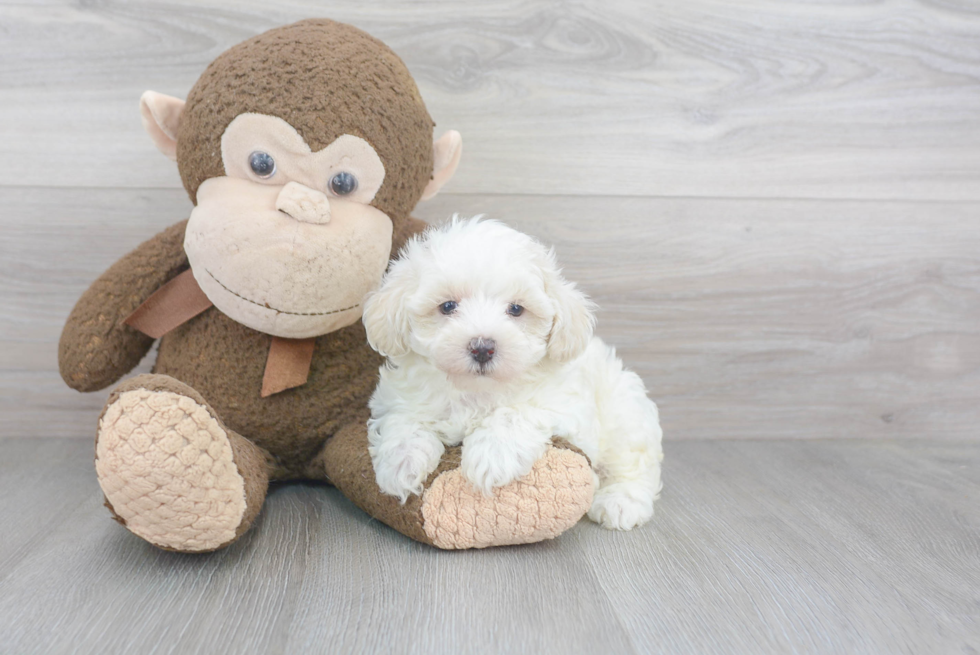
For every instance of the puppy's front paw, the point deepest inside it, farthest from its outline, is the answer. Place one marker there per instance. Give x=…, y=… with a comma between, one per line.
x=489, y=462
x=401, y=468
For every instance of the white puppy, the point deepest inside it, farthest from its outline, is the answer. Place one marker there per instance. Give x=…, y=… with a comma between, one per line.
x=487, y=345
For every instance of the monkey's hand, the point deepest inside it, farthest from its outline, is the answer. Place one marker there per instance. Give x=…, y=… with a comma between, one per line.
x=96, y=347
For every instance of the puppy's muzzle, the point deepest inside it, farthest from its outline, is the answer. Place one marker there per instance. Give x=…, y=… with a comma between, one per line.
x=481, y=350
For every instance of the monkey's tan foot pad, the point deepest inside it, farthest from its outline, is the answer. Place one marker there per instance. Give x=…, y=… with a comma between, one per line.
x=167, y=470
x=550, y=499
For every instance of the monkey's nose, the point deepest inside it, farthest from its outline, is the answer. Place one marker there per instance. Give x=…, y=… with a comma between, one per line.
x=304, y=204
x=481, y=350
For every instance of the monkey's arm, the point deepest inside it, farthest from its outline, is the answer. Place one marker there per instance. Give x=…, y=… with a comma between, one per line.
x=96, y=347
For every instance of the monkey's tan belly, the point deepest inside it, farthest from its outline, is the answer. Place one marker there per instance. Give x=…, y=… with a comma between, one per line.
x=225, y=362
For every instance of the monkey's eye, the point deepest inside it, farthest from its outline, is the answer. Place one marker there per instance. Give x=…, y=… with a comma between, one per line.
x=515, y=310
x=343, y=183
x=448, y=307
x=262, y=164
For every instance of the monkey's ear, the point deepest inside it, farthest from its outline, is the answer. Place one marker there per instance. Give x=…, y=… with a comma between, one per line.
x=161, y=116
x=446, y=152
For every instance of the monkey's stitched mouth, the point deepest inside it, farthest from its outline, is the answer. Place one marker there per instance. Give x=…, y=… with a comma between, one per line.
x=280, y=311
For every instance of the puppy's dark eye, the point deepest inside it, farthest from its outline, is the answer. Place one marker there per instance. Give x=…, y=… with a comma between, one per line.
x=262, y=164
x=515, y=310
x=343, y=183
x=448, y=307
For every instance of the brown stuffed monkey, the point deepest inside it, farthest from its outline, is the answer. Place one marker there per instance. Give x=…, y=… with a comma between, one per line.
x=304, y=150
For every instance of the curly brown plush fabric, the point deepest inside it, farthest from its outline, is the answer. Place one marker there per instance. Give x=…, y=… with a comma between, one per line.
x=325, y=79
x=96, y=347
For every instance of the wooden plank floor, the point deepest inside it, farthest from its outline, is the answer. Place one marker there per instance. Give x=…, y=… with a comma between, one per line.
x=783, y=547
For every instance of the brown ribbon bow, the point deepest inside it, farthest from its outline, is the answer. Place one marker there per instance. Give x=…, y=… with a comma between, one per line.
x=181, y=299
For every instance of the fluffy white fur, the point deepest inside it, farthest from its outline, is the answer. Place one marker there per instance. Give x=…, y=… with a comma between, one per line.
x=548, y=376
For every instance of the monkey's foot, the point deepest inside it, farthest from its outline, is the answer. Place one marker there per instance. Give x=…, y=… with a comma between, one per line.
x=547, y=501
x=451, y=514
x=171, y=472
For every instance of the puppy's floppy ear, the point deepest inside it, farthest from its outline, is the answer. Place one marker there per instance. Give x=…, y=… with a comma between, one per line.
x=386, y=316
x=574, y=321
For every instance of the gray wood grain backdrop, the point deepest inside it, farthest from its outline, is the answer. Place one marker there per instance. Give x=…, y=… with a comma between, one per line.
x=776, y=204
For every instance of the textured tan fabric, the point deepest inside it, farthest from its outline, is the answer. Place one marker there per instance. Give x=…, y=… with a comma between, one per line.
x=451, y=514
x=166, y=466
x=170, y=470
x=542, y=505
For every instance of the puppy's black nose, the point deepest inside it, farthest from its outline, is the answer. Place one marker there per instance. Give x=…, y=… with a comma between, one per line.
x=481, y=350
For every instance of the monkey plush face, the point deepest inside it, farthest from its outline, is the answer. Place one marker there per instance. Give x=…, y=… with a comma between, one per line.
x=287, y=241
x=303, y=149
